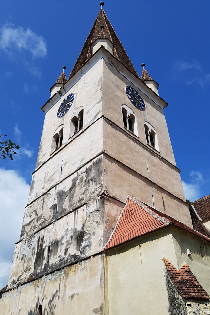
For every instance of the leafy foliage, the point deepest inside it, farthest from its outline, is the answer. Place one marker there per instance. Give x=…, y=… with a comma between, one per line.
x=7, y=148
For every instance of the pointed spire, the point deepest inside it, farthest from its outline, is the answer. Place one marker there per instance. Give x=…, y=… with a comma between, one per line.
x=62, y=77
x=102, y=29
x=59, y=83
x=145, y=75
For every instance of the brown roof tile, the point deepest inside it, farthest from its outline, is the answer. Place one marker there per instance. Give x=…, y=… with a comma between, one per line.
x=137, y=219
x=107, y=32
x=61, y=79
x=202, y=206
x=145, y=76
x=186, y=283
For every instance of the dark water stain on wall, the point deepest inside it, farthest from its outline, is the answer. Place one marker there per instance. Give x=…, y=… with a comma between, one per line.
x=86, y=185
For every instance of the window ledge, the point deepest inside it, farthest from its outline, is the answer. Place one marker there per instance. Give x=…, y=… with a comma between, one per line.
x=76, y=134
x=151, y=147
x=130, y=132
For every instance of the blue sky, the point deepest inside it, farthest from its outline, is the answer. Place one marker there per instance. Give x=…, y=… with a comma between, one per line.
x=38, y=37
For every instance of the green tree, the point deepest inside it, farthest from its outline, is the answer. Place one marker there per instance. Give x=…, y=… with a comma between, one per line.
x=7, y=148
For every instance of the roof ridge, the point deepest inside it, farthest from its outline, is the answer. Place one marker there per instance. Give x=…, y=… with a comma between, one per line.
x=204, y=197
x=157, y=216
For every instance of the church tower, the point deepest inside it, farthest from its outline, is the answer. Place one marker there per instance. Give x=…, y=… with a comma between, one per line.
x=104, y=137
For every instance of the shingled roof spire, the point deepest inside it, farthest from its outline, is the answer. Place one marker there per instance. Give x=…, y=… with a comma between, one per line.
x=59, y=83
x=102, y=29
x=145, y=77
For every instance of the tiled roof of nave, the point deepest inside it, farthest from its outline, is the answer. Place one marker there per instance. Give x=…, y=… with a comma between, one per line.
x=137, y=219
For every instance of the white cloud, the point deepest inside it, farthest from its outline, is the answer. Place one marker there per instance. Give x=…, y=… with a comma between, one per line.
x=35, y=71
x=197, y=177
x=12, y=38
x=4, y=274
x=192, y=189
x=30, y=89
x=13, y=195
x=27, y=152
x=196, y=75
x=18, y=133
x=183, y=65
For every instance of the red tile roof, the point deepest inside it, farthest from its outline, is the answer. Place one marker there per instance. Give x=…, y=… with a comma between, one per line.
x=185, y=282
x=137, y=219
x=102, y=28
x=202, y=206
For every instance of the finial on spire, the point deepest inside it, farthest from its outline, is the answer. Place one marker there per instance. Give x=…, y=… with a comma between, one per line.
x=101, y=4
x=64, y=67
x=143, y=65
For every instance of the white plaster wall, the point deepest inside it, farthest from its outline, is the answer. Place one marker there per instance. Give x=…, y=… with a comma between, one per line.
x=135, y=276
x=76, y=290
x=198, y=261
x=84, y=147
x=87, y=96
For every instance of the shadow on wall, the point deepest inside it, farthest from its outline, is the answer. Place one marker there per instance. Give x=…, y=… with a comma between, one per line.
x=39, y=310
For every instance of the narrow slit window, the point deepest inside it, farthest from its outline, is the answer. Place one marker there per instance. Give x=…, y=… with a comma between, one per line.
x=57, y=142
x=80, y=120
x=152, y=139
x=61, y=137
x=76, y=125
x=131, y=123
x=147, y=133
x=40, y=310
x=124, y=112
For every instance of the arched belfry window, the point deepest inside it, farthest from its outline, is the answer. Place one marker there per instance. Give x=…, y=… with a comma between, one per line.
x=77, y=123
x=151, y=136
x=57, y=140
x=129, y=119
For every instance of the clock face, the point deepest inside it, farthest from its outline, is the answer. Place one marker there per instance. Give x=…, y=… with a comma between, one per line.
x=65, y=105
x=135, y=98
